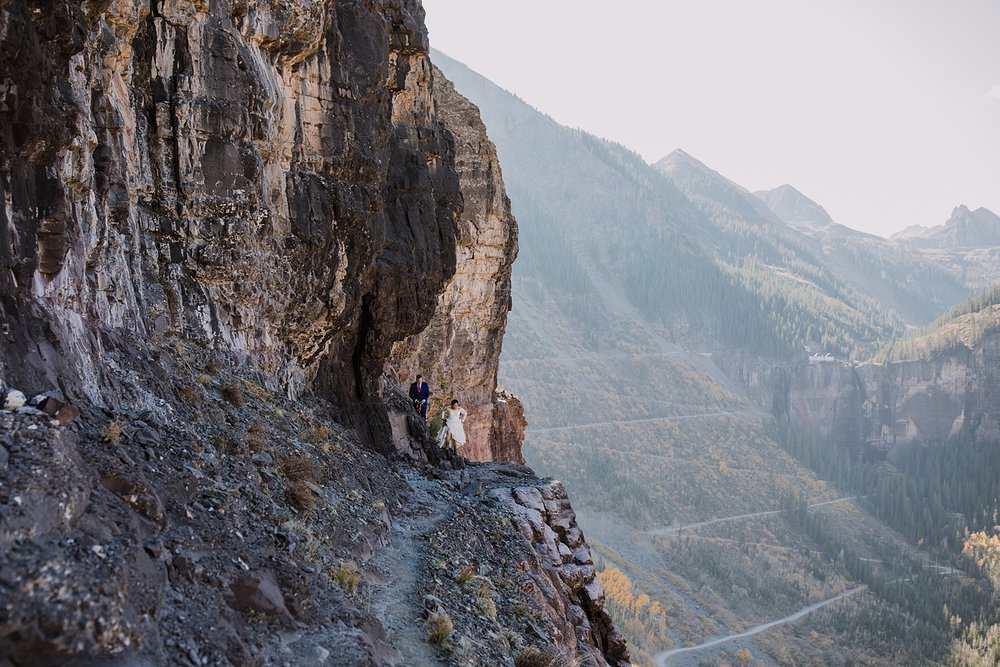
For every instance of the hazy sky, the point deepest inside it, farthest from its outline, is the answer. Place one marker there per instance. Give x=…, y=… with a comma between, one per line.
x=886, y=112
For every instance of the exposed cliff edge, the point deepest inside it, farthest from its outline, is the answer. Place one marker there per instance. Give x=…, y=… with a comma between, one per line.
x=220, y=231
x=459, y=351
x=956, y=393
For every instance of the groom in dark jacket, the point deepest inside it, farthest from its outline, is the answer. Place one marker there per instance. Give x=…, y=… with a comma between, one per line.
x=419, y=393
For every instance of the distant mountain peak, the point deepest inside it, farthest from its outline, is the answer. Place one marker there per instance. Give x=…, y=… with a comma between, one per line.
x=910, y=231
x=979, y=217
x=794, y=208
x=678, y=154
x=964, y=229
x=684, y=170
x=681, y=159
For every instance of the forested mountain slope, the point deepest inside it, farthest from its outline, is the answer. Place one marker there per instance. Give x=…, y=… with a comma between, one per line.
x=961, y=329
x=891, y=273
x=811, y=304
x=707, y=521
x=693, y=251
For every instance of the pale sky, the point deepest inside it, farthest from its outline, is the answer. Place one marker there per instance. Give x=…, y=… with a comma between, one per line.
x=886, y=112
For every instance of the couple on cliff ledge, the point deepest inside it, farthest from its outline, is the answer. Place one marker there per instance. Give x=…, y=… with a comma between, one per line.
x=453, y=430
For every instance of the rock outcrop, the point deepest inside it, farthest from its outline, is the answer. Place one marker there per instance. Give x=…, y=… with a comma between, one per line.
x=509, y=424
x=573, y=598
x=459, y=351
x=885, y=405
x=541, y=580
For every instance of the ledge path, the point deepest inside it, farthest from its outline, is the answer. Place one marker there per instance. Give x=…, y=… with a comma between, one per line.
x=397, y=602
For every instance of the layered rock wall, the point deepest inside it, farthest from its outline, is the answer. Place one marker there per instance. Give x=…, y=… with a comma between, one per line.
x=262, y=177
x=926, y=401
x=458, y=353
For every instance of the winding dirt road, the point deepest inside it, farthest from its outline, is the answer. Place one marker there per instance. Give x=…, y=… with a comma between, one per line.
x=662, y=659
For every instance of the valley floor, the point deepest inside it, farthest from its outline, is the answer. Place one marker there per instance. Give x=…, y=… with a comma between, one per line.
x=687, y=497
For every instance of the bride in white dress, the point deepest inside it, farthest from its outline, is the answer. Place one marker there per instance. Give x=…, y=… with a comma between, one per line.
x=453, y=424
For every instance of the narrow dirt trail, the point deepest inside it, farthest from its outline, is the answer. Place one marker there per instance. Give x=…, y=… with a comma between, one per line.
x=397, y=602
x=663, y=657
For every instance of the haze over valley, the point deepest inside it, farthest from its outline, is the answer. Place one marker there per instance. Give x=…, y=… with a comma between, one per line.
x=696, y=364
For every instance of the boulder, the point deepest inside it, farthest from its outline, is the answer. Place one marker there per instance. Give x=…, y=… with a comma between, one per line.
x=137, y=495
x=66, y=414
x=13, y=400
x=259, y=593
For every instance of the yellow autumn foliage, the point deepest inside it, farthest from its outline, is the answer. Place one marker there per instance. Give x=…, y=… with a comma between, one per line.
x=642, y=619
x=985, y=550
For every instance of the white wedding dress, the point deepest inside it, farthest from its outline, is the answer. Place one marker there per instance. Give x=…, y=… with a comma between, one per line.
x=453, y=425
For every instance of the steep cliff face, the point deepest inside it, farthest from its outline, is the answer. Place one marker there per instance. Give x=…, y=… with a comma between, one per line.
x=459, y=351
x=212, y=217
x=261, y=177
x=574, y=598
x=935, y=400
x=827, y=396
x=899, y=403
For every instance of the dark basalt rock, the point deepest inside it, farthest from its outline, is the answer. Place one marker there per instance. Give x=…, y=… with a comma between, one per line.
x=259, y=593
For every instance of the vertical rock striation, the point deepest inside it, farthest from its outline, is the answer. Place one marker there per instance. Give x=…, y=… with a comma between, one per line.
x=459, y=351
x=927, y=401
x=274, y=178
x=262, y=177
